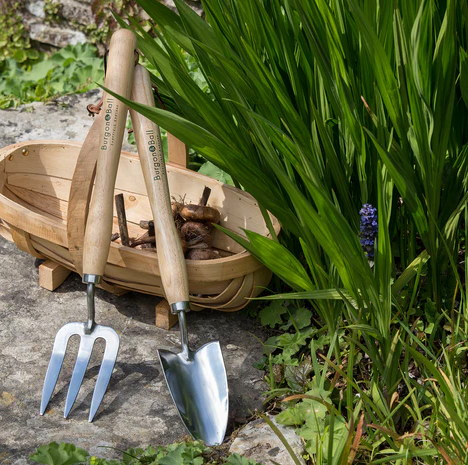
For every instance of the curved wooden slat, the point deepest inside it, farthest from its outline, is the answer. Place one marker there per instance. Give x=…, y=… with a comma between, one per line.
x=225, y=296
x=5, y=231
x=22, y=240
x=244, y=291
x=32, y=222
x=62, y=256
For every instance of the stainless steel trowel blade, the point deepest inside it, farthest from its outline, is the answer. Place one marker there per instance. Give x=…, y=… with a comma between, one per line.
x=199, y=388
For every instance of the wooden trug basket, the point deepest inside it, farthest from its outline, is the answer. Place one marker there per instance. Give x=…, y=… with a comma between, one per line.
x=45, y=187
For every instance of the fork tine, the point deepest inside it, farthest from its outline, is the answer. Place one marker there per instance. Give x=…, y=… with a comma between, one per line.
x=110, y=355
x=55, y=363
x=82, y=360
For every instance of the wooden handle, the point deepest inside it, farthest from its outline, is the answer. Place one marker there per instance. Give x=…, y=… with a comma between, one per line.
x=148, y=139
x=119, y=79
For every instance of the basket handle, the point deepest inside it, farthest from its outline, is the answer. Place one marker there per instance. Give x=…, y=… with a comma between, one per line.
x=177, y=151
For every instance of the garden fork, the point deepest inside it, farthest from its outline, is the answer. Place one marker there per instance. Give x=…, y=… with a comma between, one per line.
x=119, y=78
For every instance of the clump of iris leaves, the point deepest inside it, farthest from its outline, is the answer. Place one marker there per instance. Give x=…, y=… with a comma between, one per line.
x=322, y=110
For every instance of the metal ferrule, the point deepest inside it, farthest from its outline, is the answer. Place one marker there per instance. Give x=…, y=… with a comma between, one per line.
x=186, y=353
x=178, y=307
x=91, y=311
x=91, y=278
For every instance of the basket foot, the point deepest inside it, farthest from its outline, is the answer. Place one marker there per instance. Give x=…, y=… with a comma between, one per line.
x=164, y=318
x=52, y=275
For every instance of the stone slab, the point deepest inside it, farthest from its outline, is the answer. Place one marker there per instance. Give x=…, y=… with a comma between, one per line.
x=65, y=118
x=73, y=10
x=36, y=8
x=257, y=441
x=56, y=35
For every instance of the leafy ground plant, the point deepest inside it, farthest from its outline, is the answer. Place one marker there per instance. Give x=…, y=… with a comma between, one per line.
x=184, y=453
x=14, y=40
x=75, y=68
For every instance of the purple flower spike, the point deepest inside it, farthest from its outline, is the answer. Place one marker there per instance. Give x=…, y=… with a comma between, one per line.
x=368, y=229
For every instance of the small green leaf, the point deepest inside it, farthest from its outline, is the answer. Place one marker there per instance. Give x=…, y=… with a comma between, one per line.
x=300, y=318
x=317, y=431
x=270, y=345
x=174, y=457
x=292, y=416
x=298, y=377
x=291, y=342
x=271, y=315
x=20, y=56
x=211, y=170
x=59, y=454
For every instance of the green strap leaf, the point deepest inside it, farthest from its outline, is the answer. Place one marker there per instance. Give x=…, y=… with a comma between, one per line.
x=404, y=180
x=410, y=272
x=275, y=256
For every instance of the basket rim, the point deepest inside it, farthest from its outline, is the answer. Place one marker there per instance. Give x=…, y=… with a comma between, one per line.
x=55, y=230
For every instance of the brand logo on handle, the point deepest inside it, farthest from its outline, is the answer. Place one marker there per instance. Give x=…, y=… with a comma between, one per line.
x=154, y=146
x=107, y=124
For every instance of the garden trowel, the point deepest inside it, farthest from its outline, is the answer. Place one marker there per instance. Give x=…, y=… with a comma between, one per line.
x=196, y=379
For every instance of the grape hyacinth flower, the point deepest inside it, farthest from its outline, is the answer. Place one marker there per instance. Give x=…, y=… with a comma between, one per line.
x=368, y=229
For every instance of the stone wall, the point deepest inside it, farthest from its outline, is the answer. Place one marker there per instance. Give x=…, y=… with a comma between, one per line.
x=58, y=33
x=71, y=23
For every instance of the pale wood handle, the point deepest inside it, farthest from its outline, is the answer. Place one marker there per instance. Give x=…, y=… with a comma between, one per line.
x=119, y=79
x=170, y=255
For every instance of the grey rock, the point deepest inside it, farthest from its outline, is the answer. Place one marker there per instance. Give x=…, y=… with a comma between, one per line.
x=65, y=118
x=137, y=409
x=36, y=8
x=77, y=11
x=257, y=441
x=56, y=36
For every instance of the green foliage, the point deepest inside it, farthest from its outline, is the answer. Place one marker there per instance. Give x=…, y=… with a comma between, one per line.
x=275, y=87
x=208, y=169
x=52, y=11
x=14, y=40
x=185, y=453
x=271, y=315
x=75, y=68
x=311, y=411
x=59, y=454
